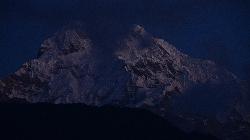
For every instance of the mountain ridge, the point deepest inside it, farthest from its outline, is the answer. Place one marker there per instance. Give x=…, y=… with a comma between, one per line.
x=141, y=71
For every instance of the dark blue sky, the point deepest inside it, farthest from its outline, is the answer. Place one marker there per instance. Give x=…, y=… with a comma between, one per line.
x=216, y=29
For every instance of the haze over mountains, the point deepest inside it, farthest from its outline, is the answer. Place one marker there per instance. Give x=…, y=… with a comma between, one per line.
x=203, y=29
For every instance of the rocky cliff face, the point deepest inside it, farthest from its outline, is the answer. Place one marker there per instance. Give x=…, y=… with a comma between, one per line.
x=141, y=71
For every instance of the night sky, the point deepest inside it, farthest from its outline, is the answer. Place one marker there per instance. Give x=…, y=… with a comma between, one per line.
x=218, y=30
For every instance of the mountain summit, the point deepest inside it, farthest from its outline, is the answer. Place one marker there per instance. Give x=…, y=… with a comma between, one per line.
x=140, y=71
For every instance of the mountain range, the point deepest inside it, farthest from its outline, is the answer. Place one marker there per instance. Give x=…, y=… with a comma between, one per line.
x=134, y=70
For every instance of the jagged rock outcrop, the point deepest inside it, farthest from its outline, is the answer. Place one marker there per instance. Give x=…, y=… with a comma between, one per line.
x=140, y=72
